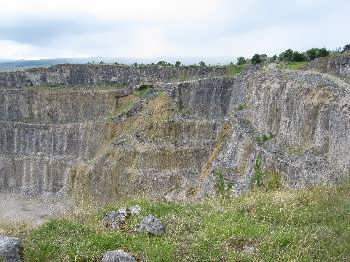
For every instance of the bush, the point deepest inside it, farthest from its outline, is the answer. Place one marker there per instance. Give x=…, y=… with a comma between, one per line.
x=314, y=53
x=298, y=57
x=220, y=182
x=202, y=64
x=292, y=56
x=257, y=179
x=346, y=48
x=163, y=63
x=256, y=59
x=274, y=58
x=286, y=55
x=241, y=60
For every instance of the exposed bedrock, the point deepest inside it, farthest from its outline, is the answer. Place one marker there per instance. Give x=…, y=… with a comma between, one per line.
x=297, y=122
x=49, y=105
x=172, y=140
x=44, y=132
x=89, y=75
x=337, y=65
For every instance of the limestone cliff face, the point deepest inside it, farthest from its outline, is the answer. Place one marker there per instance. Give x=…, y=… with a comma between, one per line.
x=53, y=118
x=170, y=140
x=88, y=75
x=305, y=114
x=338, y=65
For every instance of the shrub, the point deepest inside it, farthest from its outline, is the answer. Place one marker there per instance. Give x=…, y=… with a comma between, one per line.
x=263, y=138
x=257, y=179
x=220, y=182
x=241, y=107
x=163, y=63
x=202, y=64
x=273, y=180
x=270, y=180
x=314, y=53
x=346, y=48
x=286, y=55
x=241, y=60
x=298, y=57
x=292, y=56
x=274, y=58
x=256, y=59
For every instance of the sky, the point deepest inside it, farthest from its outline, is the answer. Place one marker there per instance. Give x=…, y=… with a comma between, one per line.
x=33, y=29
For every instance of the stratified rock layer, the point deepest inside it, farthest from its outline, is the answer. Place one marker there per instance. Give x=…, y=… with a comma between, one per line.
x=169, y=140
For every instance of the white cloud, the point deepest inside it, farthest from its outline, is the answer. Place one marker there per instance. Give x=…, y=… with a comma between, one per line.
x=15, y=50
x=151, y=10
x=141, y=28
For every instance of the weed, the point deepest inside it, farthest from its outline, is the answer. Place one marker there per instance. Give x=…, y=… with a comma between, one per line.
x=267, y=180
x=264, y=138
x=220, y=182
x=257, y=179
x=241, y=107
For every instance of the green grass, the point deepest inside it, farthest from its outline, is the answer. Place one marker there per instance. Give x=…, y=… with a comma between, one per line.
x=233, y=70
x=294, y=65
x=290, y=225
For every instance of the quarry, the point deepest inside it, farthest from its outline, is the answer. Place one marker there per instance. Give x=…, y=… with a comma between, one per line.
x=77, y=134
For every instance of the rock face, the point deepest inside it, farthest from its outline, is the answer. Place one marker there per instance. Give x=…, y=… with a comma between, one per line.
x=10, y=249
x=171, y=140
x=53, y=119
x=89, y=75
x=117, y=256
x=338, y=65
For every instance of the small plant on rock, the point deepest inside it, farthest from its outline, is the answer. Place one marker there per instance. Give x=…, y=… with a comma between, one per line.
x=222, y=188
x=257, y=179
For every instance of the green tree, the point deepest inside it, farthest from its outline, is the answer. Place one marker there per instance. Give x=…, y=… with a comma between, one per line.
x=256, y=59
x=286, y=55
x=202, y=64
x=346, y=48
x=177, y=63
x=274, y=58
x=163, y=63
x=314, y=53
x=311, y=53
x=241, y=60
x=298, y=57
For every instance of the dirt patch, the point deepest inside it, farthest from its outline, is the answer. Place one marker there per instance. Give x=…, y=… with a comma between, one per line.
x=16, y=209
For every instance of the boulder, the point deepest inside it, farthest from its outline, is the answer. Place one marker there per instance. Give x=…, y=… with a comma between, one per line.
x=133, y=210
x=115, y=219
x=117, y=256
x=151, y=225
x=10, y=249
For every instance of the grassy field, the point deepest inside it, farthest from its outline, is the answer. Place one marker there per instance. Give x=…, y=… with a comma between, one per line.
x=294, y=65
x=286, y=225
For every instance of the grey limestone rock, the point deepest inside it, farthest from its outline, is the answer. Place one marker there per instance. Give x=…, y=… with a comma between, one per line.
x=151, y=225
x=133, y=210
x=118, y=256
x=115, y=219
x=10, y=249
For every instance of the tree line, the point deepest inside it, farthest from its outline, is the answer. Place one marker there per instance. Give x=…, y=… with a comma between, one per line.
x=290, y=56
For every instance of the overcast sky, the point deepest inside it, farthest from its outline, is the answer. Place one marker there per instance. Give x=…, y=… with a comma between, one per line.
x=181, y=28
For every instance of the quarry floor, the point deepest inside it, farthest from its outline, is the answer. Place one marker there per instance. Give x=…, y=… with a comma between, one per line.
x=16, y=209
